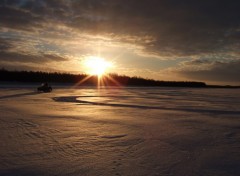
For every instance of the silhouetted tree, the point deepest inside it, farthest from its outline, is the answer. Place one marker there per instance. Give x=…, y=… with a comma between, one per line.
x=38, y=76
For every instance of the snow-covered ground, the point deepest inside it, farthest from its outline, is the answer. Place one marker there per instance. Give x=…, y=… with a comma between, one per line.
x=120, y=131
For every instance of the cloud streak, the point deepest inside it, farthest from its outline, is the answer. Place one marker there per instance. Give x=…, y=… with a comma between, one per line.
x=225, y=71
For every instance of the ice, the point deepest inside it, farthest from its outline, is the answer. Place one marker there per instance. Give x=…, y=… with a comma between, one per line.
x=120, y=131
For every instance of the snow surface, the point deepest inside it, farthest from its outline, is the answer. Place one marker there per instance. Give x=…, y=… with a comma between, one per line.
x=120, y=131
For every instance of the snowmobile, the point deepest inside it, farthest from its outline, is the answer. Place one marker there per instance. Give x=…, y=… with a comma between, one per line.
x=45, y=88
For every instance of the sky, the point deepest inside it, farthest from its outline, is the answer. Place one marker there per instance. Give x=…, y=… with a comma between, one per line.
x=187, y=40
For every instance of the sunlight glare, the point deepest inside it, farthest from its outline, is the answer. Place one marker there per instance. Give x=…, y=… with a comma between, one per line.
x=97, y=65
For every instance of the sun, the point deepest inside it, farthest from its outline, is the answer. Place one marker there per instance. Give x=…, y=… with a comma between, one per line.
x=96, y=65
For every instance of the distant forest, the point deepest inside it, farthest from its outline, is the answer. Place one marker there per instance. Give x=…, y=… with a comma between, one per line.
x=38, y=76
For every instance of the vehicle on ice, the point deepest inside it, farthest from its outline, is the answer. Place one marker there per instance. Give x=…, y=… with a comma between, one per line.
x=45, y=88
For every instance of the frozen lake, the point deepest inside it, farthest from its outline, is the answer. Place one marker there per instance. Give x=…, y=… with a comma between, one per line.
x=120, y=131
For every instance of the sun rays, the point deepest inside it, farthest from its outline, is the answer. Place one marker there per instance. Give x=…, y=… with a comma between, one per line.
x=97, y=72
x=97, y=65
x=99, y=81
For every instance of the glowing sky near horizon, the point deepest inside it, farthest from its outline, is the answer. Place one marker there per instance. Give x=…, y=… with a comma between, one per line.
x=159, y=39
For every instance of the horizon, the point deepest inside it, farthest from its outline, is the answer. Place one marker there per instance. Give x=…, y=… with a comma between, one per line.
x=106, y=79
x=161, y=40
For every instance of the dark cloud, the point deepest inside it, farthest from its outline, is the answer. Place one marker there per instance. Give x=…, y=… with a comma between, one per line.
x=18, y=18
x=4, y=45
x=30, y=58
x=10, y=53
x=198, y=62
x=184, y=28
x=180, y=27
x=21, y=66
x=54, y=57
x=218, y=71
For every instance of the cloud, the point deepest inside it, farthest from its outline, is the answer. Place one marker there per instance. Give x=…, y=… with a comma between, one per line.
x=25, y=50
x=183, y=28
x=20, y=66
x=4, y=45
x=213, y=71
x=27, y=58
x=18, y=18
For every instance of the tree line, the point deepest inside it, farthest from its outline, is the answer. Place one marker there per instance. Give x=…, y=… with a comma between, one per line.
x=108, y=80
